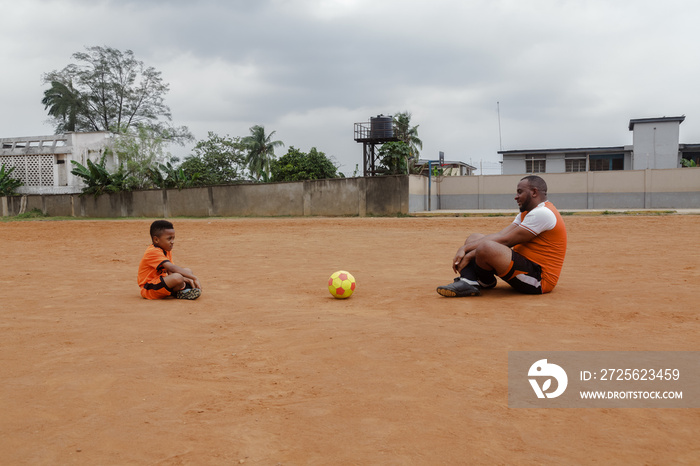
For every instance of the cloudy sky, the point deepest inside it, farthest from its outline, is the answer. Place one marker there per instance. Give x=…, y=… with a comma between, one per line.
x=566, y=73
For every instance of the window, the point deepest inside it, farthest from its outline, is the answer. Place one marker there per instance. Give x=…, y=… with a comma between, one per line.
x=694, y=156
x=535, y=164
x=575, y=163
x=607, y=162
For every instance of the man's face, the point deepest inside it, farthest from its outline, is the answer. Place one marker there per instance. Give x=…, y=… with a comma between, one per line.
x=524, y=196
x=166, y=240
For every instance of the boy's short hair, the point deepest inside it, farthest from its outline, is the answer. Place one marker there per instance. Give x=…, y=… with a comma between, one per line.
x=158, y=226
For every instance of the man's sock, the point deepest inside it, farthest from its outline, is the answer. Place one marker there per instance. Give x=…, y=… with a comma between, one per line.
x=486, y=278
x=468, y=274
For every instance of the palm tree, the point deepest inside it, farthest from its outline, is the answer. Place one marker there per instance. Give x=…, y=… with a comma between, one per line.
x=64, y=103
x=407, y=134
x=261, y=151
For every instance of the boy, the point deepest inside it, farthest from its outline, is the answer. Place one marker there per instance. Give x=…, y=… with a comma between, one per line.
x=158, y=277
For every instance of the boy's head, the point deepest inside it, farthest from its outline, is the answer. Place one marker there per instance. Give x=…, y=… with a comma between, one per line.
x=163, y=234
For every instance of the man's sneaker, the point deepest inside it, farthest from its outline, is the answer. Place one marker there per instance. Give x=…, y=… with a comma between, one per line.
x=458, y=288
x=189, y=293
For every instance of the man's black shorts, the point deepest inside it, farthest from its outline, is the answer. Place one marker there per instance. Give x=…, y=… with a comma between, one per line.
x=524, y=275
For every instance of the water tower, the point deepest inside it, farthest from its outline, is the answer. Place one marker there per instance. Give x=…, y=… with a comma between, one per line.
x=376, y=131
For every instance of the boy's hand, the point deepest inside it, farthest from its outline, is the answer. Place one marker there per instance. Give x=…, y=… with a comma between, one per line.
x=193, y=283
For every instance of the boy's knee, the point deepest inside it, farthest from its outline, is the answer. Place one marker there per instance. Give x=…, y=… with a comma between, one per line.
x=174, y=280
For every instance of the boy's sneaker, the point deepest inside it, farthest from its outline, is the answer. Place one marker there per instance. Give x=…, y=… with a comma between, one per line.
x=189, y=293
x=458, y=289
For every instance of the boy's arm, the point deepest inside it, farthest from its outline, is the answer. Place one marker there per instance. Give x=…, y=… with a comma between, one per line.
x=187, y=273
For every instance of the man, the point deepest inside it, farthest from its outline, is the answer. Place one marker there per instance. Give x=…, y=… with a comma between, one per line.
x=528, y=254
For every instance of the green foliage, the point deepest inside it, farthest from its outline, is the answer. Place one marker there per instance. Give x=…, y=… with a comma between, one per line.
x=7, y=183
x=393, y=158
x=64, y=104
x=689, y=163
x=296, y=165
x=260, y=151
x=98, y=179
x=407, y=133
x=140, y=153
x=109, y=90
x=216, y=160
x=34, y=213
x=165, y=176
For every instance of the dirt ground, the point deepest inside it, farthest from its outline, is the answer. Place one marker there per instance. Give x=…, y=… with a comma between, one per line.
x=267, y=368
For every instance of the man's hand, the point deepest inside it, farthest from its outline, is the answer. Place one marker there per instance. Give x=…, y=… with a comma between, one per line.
x=462, y=258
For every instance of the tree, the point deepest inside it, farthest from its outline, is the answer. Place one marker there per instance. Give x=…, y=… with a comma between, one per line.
x=109, y=90
x=64, y=103
x=260, y=151
x=7, y=183
x=407, y=134
x=394, y=158
x=296, y=165
x=167, y=176
x=216, y=160
x=139, y=153
x=98, y=179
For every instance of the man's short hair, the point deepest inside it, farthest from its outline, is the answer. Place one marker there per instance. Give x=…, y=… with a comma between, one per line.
x=536, y=182
x=158, y=226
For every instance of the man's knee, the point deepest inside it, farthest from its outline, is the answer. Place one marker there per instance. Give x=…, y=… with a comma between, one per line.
x=488, y=248
x=493, y=255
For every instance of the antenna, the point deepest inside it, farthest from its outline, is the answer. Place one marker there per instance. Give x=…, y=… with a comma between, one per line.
x=500, y=139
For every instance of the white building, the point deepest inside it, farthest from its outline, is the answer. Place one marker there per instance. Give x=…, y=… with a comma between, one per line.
x=43, y=163
x=654, y=145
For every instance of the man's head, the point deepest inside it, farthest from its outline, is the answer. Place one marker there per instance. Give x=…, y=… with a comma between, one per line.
x=531, y=191
x=163, y=234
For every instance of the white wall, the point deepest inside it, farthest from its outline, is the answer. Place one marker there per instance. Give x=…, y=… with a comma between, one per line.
x=655, y=145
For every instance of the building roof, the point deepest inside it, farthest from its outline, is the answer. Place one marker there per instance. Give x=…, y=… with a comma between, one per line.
x=456, y=163
x=679, y=119
x=572, y=150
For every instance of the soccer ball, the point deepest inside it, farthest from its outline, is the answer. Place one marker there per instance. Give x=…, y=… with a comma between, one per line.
x=341, y=284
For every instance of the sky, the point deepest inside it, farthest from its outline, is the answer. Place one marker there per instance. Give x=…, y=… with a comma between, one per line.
x=476, y=76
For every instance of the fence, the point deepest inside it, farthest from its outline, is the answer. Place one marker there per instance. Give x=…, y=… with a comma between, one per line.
x=629, y=189
x=386, y=195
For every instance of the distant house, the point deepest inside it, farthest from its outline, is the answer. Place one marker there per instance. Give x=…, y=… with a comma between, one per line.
x=654, y=145
x=448, y=168
x=43, y=163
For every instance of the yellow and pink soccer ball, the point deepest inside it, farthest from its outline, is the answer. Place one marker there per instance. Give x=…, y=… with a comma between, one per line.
x=341, y=284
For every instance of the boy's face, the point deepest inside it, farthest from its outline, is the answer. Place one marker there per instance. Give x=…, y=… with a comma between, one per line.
x=166, y=240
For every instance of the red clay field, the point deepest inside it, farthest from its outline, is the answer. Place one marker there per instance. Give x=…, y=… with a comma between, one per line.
x=267, y=368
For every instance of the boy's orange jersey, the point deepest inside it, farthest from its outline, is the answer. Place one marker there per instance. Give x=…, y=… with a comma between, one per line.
x=151, y=266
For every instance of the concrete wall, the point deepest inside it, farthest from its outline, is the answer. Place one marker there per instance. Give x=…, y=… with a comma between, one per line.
x=629, y=189
x=387, y=195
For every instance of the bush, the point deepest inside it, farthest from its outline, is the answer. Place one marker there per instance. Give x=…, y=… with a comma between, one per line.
x=7, y=183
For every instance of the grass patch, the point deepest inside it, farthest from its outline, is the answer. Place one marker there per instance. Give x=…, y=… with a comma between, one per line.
x=34, y=213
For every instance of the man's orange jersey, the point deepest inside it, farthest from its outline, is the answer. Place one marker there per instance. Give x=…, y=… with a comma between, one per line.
x=548, y=247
